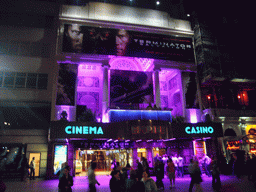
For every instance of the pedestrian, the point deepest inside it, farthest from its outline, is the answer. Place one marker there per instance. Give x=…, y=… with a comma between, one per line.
x=171, y=172
x=180, y=166
x=206, y=162
x=150, y=185
x=32, y=169
x=139, y=169
x=115, y=182
x=191, y=172
x=92, y=178
x=216, y=184
x=145, y=165
x=65, y=181
x=175, y=161
x=159, y=170
x=24, y=169
x=197, y=179
x=249, y=167
x=133, y=184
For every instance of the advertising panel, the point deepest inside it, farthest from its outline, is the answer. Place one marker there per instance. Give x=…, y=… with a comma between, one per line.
x=131, y=87
x=60, y=156
x=199, y=149
x=121, y=42
x=66, y=84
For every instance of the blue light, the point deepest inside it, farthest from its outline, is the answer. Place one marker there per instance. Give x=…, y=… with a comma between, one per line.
x=126, y=115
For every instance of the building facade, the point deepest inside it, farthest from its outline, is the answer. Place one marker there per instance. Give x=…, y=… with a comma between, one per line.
x=133, y=70
x=27, y=55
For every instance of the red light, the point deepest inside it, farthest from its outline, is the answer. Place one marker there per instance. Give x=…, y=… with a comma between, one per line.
x=238, y=96
x=209, y=97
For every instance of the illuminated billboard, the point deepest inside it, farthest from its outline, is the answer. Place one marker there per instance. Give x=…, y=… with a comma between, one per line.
x=95, y=40
x=60, y=156
x=131, y=87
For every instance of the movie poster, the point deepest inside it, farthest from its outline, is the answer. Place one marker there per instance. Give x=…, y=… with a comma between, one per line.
x=60, y=156
x=66, y=85
x=121, y=42
x=131, y=87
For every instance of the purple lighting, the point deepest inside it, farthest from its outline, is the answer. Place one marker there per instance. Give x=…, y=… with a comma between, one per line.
x=138, y=140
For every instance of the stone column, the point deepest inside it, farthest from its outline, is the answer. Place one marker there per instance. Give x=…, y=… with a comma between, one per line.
x=105, y=100
x=157, y=87
x=71, y=160
x=134, y=158
x=150, y=156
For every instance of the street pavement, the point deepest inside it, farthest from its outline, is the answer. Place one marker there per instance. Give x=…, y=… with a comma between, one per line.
x=229, y=184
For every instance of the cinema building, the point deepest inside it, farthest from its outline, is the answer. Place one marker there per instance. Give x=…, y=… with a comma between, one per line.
x=133, y=69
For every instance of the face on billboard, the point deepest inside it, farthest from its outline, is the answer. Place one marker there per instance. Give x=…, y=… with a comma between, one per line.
x=75, y=35
x=122, y=42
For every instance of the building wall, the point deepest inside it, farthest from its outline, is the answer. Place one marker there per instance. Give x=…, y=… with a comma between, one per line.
x=124, y=14
x=27, y=50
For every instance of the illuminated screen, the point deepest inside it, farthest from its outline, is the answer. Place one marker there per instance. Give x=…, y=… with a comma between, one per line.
x=131, y=87
x=60, y=156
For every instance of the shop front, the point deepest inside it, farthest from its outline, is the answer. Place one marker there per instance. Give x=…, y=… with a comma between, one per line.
x=196, y=140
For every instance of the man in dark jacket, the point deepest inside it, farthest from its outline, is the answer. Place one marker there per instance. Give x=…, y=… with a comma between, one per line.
x=139, y=169
x=115, y=183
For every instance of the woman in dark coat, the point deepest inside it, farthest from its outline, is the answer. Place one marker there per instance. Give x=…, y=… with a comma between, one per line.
x=66, y=181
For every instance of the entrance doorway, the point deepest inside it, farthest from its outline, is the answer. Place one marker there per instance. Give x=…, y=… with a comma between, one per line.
x=37, y=162
x=103, y=159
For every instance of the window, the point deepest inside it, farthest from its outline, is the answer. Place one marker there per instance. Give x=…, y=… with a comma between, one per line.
x=20, y=80
x=42, y=81
x=1, y=78
x=9, y=79
x=23, y=80
x=31, y=80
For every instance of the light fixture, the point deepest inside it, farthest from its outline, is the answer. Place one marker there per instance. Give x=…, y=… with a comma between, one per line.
x=188, y=15
x=158, y=3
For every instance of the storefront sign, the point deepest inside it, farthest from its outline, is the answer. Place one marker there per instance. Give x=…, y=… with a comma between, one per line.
x=86, y=130
x=83, y=130
x=198, y=130
x=187, y=130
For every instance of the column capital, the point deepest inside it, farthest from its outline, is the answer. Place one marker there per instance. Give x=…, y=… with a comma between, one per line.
x=157, y=69
x=105, y=63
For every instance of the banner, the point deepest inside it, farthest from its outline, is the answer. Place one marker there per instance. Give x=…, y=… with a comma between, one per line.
x=131, y=87
x=66, y=85
x=121, y=42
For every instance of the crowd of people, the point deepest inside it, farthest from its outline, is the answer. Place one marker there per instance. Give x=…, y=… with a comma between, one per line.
x=137, y=179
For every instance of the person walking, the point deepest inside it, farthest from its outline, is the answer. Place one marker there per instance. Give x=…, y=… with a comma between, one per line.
x=180, y=166
x=171, y=172
x=150, y=185
x=24, y=169
x=115, y=182
x=206, y=162
x=66, y=181
x=139, y=169
x=159, y=170
x=92, y=178
x=32, y=167
x=216, y=184
x=145, y=164
x=191, y=172
x=197, y=179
